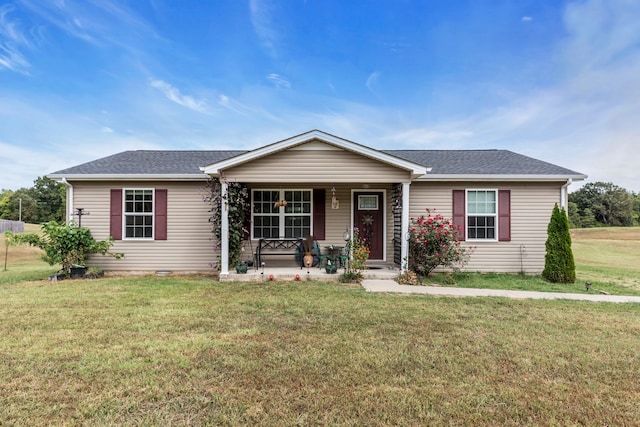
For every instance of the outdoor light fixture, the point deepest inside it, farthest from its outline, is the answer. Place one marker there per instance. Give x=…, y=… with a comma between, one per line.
x=588, y=286
x=262, y=274
x=346, y=235
x=308, y=262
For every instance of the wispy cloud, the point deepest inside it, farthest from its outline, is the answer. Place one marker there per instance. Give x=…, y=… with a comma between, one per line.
x=173, y=94
x=278, y=81
x=372, y=81
x=98, y=23
x=262, y=16
x=12, y=38
x=527, y=19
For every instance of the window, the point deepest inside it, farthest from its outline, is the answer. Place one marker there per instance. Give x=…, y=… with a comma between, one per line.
x=281, y=214
x=481, y=214
x=368, y=202
x=138, y=214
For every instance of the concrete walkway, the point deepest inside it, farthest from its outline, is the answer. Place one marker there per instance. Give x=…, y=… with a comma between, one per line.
x=377, y=285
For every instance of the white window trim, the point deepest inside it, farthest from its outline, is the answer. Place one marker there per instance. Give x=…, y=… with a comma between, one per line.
x=466, y=215
x=153, y=214
x=281, y=214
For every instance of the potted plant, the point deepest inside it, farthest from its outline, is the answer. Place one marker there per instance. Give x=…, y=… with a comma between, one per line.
x=241, y=267
x=331, y=268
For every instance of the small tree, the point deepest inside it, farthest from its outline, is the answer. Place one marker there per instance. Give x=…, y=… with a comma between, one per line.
x=559, y=266
x=65, y=244
x=433, y=242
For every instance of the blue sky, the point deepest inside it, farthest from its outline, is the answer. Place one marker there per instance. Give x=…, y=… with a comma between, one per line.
x=556, y=80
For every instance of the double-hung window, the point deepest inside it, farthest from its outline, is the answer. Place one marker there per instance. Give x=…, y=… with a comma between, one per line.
x=138, y=213
x=482, y=211
x=281, y=214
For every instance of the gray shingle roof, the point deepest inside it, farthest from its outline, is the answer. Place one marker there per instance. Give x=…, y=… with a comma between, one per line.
x=150, y=162
x=445, y=162
x=479, y=162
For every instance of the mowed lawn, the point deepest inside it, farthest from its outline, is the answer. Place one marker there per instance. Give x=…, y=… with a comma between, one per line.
x=193, y=351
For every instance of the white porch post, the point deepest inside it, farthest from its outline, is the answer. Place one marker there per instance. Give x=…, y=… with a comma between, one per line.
x=224, y=231
x=404, y=226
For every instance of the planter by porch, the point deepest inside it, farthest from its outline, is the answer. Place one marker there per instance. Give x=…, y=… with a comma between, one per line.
x=77, y=272
x=241, y=268
x=331, y=268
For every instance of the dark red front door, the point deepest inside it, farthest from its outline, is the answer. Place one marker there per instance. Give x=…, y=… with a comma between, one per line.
x=369, y=220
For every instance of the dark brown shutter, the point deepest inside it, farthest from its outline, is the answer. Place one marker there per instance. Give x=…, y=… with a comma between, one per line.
x=459, y=210
x=115, y=222
x=319, y=213
x=504, y=215
x=161, y=215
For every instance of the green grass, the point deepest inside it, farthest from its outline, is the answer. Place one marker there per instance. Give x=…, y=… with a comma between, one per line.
x=190, y=351
x=608, y=258
x=23, y=263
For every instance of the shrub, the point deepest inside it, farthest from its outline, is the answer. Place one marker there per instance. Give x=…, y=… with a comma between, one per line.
x=559, y=266
x=433, y=243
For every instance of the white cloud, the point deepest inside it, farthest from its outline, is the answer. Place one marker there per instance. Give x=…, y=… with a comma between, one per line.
x=173, y=94
x=278, y=81
x=262, y=16
x=372, y=80
x=12, y=38
x=526, y=19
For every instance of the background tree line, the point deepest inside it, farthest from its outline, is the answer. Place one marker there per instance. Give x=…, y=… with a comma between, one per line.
x=603, y=204
x=43, y=202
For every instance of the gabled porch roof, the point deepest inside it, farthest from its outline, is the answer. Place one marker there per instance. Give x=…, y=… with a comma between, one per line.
x=415, y=170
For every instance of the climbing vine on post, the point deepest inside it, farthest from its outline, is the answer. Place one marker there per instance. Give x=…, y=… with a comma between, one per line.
x=237, y=200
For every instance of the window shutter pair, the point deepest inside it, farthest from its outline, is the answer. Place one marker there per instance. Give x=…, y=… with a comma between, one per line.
x=159, y=220
x=504, y=214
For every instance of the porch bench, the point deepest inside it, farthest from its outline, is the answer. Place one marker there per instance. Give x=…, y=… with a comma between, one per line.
x=280, y=247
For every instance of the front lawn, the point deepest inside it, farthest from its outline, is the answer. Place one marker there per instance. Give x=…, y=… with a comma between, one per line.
x=190, y=351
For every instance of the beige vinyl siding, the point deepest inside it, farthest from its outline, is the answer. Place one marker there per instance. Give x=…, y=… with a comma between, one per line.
x=188, y=246
x=333, y=166
x=531, y=206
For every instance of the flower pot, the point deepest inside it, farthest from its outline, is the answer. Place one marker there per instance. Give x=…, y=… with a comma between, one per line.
x=77, y=272
x=331, y=268
x=241, y=268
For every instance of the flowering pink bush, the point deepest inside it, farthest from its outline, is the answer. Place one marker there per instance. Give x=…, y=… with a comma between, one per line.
x=433, y=242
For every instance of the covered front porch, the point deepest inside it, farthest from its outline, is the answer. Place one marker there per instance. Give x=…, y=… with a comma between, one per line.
x=316, y=185
x=278, y=271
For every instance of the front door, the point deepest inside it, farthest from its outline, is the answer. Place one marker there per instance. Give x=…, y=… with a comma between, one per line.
x=368, y=218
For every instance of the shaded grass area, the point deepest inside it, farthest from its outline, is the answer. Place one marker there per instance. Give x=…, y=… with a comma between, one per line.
x=187, y=350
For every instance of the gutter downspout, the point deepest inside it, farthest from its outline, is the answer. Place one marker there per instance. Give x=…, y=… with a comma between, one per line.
x=69, y=198
x=564, y=195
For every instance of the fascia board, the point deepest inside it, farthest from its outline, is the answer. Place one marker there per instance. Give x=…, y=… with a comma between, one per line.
x=129, y=177
x=493, y=177
x=215, y=168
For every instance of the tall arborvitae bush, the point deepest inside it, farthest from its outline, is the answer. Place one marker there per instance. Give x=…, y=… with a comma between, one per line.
x=559, y=266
